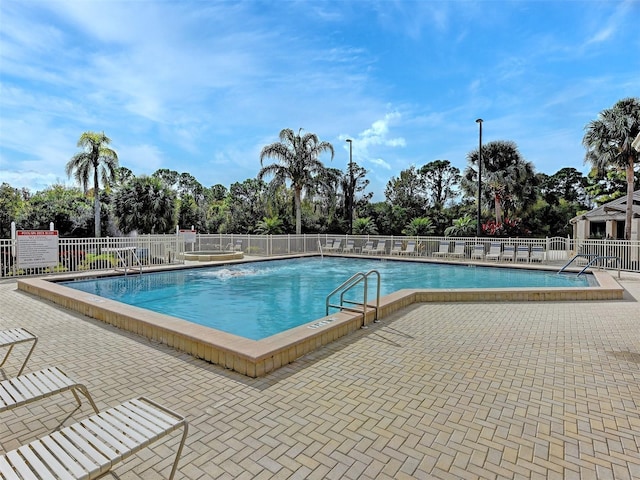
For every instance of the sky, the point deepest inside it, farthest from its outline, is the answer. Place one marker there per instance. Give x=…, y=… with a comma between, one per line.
x=201, y=86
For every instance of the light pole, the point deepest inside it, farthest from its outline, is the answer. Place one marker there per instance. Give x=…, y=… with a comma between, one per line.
x=350, y=206
x=479, y=226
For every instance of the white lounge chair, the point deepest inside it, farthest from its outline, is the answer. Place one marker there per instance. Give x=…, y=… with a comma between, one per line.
x=381, y=248
x=327, y=244
x=522, y=253
x=478, y=252
x=349, y=247
x=537, y=254
x=368, y=247
x=443, y=250
x=458, y=250
x=90, y=448
x=411, y=248
x=337, y=244
x=34, y=386
x=238, y=246
x=508, y=253
x=396, y=249
x=11, y=338
x=495, y=250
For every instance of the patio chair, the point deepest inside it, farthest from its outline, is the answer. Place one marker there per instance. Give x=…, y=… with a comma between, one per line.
x=522, y=253
x=381, y=248
x=537, y=254
x=368, y=247
x=349, y=247
x=238, y=246
x=34, y=386
x=458, y=250
x=90, y=448
x=327, y=244
x=443, y=250
x=411, y=248
x=508, y=253
x=337, y=244
x=478, y=252
x=495, y=250
x=396, y=249
x=11, y=338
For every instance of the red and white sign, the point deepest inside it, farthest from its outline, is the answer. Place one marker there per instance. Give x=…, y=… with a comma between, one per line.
x=36, y=248
x=188, y=235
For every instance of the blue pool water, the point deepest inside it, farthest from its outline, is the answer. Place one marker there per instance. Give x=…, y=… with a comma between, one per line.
x=261, y=299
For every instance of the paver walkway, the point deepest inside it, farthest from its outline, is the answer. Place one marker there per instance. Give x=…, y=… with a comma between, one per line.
x=460, y=391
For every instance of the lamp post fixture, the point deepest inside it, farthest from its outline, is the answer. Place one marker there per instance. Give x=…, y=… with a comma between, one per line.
x=479, y=226
x=350, y=206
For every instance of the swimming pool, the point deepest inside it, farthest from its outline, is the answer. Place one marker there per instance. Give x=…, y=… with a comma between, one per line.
x=256, y=358
x=261, y=299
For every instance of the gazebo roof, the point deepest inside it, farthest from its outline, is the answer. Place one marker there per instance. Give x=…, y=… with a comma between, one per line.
x=614, y=210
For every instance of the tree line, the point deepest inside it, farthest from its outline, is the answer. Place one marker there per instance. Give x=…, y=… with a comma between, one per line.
x=298, y=193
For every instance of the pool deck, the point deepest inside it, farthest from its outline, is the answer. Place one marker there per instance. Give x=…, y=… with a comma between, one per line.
x=472, y=390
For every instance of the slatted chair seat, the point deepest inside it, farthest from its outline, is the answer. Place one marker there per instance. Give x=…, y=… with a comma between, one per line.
x=443, y=249
x=396, y=249
x=522, y=253
x=368, y=247
x=11, y=338
x=495, y=250
x=349, y=247
x=92, y=447
x=381, y=248
x=459, y=250
x=34, y=386
x=478, y=252
x=508, y=253
x=411, y=248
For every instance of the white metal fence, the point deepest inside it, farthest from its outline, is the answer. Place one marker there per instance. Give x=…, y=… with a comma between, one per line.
x=89, y=254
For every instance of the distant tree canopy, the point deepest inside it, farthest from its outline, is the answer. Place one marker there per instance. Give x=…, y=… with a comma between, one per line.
x=145, y=205
x=305, y=196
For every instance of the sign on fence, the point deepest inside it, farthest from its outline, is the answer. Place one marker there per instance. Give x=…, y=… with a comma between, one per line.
x=189, y=236
x=36, y=248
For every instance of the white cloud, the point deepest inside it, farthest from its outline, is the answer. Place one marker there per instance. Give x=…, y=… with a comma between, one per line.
x=142, y=158
x=33, y=180
x=606, y=28
x=378, y=133
x=380, y=162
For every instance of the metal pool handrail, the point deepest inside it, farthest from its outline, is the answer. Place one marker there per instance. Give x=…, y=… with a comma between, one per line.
x=347, y=285
x=593, y=259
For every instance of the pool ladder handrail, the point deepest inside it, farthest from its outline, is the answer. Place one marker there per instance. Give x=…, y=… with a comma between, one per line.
x=349, y=305
x=593, y=259
x=121, y=259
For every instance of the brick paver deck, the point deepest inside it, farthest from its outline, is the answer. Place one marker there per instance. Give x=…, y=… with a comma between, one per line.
x=460, y=391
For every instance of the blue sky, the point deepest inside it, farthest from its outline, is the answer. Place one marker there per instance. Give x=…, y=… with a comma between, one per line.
x=202, y=86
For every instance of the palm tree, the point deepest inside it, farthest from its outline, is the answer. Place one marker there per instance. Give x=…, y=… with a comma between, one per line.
x=507, y=178
x=419, y=226
x=364, y=226
x=298, y=162
x=461, y=227
x=146, y=205
x=269, y=226
x=608, y=141
x=97, y=160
